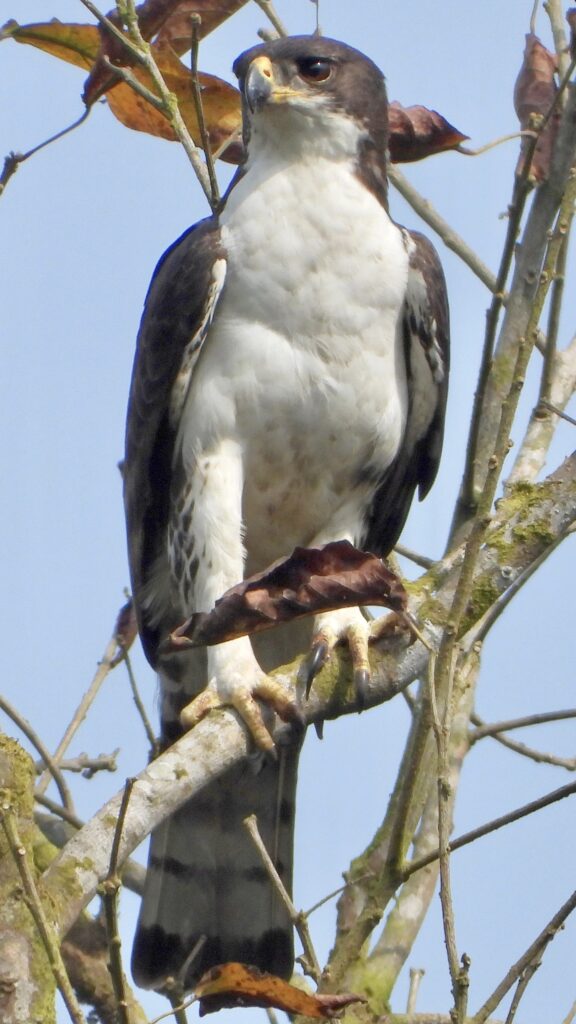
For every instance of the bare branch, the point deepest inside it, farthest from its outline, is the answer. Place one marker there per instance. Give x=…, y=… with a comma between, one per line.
x=104, y=667
x=535, y=950
x=309, y=961
x=31, y=735
x=451, y=238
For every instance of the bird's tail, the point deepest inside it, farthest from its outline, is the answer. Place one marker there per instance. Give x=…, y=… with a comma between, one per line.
x=208, y=898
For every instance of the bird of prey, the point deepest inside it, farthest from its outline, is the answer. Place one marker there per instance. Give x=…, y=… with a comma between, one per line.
x=289, y=389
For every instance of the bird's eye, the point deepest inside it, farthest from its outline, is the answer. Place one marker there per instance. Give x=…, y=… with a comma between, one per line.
x=315, y=69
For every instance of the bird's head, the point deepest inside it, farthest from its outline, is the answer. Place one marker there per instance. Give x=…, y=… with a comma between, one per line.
x=313, y=87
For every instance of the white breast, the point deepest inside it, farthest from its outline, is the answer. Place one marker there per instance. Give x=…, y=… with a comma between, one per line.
x=304, y=363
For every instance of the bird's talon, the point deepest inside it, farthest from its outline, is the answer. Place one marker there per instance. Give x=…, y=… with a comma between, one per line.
x=314, y=663
x=361, y=687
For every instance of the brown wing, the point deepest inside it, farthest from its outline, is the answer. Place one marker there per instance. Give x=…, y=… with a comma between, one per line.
x=426, y=333
x=177, y=314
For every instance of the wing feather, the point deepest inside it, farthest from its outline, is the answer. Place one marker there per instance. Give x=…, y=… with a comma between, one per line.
x=178, y=311
x=426, y=336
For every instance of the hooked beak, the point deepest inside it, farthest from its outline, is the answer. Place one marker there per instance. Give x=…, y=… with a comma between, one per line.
x=259, y=83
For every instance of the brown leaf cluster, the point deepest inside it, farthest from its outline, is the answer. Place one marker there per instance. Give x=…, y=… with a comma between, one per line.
x=534, y=96
x=310, y=581
x=233, y=984
x=415, y=132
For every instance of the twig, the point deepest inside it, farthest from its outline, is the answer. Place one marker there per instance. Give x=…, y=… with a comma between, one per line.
x=110, y=888
x=468, y=151
x=34, y=904
x=535, y=949
x=13, y=160
x=175, y=1011
x=508, y=725
x=523, y=982
x=451, y=238
x=559, y=412
x=571, y=1015
x=104, y=667
x=414, y=556
x=165, y=100
x=25, y=727
x=61, y=812
x=416, y=975
x=197, y=97
x=150, y=735
x=86, y=765
x=309, y=960
x=268, y=8
x=492, y=826
x=497, y=729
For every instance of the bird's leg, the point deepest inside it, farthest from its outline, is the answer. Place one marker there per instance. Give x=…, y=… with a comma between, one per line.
x=235, y=678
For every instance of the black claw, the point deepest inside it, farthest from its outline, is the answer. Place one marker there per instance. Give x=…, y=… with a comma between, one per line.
x=319, y=727
x=362, y=686
x=314, y=663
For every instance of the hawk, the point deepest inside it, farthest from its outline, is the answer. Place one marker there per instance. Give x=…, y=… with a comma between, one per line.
x=289, y=389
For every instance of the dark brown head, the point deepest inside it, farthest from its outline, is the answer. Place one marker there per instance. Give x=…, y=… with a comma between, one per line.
x=316, y=87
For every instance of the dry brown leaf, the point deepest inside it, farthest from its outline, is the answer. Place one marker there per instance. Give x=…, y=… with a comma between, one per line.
x=220, y=102
x=534, y=94
x=168, y=21
x=232, y=984
x=126, y=628
x=310, y=581
x=417, y=132
x=176, y=28
x=76, y=44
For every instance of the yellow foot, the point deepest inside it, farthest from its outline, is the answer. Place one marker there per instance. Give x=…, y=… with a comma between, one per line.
x=346, y=625
x=247, y=698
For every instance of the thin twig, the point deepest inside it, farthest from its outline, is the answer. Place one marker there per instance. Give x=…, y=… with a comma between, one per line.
x=538, y=946
x=197, y=97
x=571, y=1015
x=110, y=888
x=414, y=556
x=268, y=8
x=13, y=160
x=559, y=412
x=150, y=735
x=25, y=727
x=176, y=1011
x=86, y=765
x=492, y=826
x=309, y=961
x=104, y=668
x=165, y=100
x=34, y=904
x=468, y=151
x=451, y=238
x=509, y=724
x=523, y=982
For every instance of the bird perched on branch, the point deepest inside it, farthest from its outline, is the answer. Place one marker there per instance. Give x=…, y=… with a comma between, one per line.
x=289, y=389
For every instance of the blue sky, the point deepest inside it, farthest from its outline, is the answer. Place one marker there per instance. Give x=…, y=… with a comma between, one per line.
x=82, y=225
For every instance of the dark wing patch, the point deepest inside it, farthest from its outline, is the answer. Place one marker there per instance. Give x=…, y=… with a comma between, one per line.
x=177, y=314
x=426, y=335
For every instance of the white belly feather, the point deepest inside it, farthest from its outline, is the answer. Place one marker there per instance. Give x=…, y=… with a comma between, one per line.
x=304, y=366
